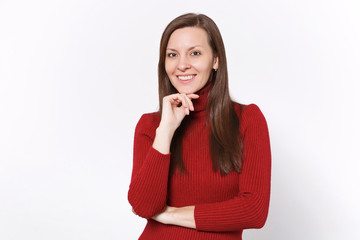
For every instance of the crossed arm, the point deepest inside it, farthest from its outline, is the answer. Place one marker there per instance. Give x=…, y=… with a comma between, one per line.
x=247, y=210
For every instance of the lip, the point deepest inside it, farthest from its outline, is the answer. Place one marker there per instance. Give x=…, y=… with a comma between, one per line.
x=184, y=75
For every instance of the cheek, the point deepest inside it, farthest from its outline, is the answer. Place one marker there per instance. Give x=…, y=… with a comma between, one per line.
x=169, y=67
x=203, y=64
x=203, y=68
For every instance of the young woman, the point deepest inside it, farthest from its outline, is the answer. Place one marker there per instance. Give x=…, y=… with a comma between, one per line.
x=201, y=167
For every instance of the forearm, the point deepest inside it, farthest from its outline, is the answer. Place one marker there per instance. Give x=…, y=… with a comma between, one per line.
x=163, y=139
x=182, y=216
x=248, y=210
x=148, y=188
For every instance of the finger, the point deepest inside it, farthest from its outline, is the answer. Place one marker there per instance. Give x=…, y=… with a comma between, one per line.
x=187, y=111
x=191, y=105
x=193, y=96
x=177, y=102
x=176, y=99
x=184, y=102
x=173, y=99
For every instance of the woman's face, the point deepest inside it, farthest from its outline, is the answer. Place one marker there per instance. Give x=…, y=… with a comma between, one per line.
x=189, y=59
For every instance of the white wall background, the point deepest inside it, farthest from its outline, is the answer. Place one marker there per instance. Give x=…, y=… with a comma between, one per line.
x=75, y=76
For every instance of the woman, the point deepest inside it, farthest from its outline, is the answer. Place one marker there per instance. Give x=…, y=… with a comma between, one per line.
x=202, y=163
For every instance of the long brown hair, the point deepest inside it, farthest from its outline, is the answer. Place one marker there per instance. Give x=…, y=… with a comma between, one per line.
x=225, y=141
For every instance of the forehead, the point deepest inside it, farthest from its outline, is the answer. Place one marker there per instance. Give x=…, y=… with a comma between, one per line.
x=188, y=37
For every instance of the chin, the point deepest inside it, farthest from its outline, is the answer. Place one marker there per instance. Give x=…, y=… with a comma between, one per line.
x=187, y=88
x=185, y=91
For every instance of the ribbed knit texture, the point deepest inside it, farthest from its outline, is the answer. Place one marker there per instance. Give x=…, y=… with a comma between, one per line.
x=224, y=205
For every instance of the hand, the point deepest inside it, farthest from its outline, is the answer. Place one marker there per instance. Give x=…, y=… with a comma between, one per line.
x=172, y=114
x=165, y=216
x=171, y=118
x=180, y=216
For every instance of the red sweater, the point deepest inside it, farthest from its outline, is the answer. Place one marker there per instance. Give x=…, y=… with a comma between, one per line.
x=224, y=205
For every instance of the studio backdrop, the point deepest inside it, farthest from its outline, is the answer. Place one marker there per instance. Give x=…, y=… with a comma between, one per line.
x=76, y=76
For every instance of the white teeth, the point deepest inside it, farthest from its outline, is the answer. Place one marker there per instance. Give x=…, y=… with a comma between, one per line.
x=186, y=77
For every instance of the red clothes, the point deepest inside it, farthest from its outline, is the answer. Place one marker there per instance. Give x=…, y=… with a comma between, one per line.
x=224, y=205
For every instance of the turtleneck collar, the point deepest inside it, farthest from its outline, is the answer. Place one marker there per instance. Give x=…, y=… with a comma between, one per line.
x=201, y=102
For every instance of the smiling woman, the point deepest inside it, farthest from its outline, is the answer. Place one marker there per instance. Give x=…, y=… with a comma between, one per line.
x=201, y=167
x=189, y=59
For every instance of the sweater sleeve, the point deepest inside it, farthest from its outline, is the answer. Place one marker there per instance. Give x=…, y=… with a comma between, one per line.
x=148, y=187
x=249, y=208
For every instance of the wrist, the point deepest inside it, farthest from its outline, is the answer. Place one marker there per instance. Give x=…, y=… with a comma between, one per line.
x=171, y=215
x=165, y=132
x=166, y=129
x=181, y=216
x=162, y=140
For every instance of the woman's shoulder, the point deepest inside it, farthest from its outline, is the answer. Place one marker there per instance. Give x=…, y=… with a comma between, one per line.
x=148, y=122
x=249, y=112
x=149, y=117
x=252, y=120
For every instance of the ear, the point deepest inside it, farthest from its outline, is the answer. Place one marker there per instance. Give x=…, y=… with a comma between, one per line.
x=216, y=63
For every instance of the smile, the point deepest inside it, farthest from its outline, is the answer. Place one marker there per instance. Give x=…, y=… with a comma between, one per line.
x=186, y=78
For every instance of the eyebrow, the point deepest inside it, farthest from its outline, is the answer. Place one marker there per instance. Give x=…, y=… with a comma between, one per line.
x=190, y=48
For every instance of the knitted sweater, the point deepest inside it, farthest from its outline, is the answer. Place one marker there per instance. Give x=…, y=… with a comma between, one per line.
x=224, y=205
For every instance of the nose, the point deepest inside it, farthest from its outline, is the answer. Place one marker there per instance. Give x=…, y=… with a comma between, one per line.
x=183, y=63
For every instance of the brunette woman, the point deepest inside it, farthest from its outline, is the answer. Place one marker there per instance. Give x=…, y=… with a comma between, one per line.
x=202, y=163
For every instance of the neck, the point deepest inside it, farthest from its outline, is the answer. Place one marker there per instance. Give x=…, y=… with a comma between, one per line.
x=201, y=102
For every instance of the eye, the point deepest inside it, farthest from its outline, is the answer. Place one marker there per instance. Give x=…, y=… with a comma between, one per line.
x=195, y=53
x=171, y=54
